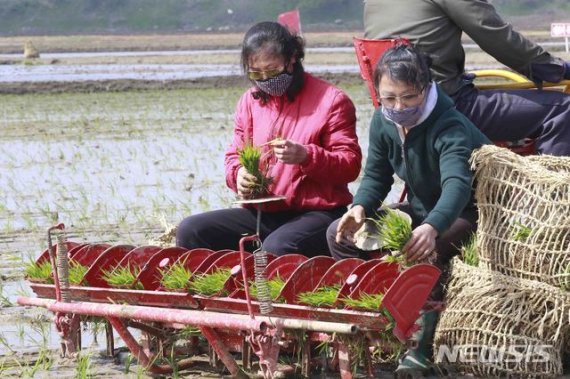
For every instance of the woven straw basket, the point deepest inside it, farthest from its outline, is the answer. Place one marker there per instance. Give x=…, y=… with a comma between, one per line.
x=505, y=326
x=524, y=214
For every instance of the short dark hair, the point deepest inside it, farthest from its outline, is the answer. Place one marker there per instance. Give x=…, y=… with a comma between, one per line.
x=404, y=63
x=277, y=38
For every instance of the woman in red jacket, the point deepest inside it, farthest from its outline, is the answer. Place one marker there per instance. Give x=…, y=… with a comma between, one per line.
x=306, y=128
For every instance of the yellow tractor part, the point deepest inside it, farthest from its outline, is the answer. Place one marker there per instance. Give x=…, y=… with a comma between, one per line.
x=517, y=81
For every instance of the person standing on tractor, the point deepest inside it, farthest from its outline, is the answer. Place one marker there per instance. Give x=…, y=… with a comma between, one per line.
x=436, y=27
x=419, y=135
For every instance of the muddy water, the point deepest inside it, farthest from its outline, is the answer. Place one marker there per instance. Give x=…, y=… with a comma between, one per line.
x=109, y=166
x=72, y=73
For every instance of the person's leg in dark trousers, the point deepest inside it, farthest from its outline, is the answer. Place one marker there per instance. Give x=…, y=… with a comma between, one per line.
x=303, y=234
x=344, y=249
x=511, y=115
x=281, y=232
x=217, y=230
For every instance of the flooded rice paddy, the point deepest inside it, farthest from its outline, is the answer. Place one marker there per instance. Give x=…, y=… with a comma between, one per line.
x=117, y=167
x=114, y=167
x=74, y=73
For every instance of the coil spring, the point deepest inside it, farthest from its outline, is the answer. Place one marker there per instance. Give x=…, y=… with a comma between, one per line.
x=63, y=268
x=263, y=294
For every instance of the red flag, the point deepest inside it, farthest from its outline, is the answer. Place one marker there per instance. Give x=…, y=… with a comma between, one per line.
x=291, y=20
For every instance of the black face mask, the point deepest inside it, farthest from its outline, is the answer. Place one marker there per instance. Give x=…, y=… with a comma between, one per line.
x=276, y=86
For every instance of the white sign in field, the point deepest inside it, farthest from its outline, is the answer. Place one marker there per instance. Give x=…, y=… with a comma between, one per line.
x=560, y=29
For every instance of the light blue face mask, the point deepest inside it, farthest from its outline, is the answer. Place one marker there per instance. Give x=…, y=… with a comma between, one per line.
x=406, y=117
x=276, y=86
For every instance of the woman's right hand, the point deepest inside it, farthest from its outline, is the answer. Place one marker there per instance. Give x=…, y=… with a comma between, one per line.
x=349, y=224
x=245, y=183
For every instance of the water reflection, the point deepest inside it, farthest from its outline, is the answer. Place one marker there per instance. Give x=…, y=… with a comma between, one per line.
x=159, y=72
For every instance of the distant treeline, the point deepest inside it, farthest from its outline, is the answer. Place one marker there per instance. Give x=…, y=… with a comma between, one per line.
x=29, y=17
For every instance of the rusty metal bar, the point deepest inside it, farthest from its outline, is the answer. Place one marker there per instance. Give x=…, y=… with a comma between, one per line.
x=130, y=341
x=110, y=339
x=189, y=316
x=242, y=242
x=182, y=316
x=53, y=260
x=62, y=269
x=310, y=325
x=221, y=350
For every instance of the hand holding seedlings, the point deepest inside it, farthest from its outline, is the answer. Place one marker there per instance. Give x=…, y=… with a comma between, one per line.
x=421, y=244
x=289, y=152
x=245, y=183
x=349, y=224
x=252, y=180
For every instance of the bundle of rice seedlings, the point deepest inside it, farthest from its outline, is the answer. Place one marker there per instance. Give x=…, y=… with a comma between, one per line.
x=323, y=296
x=469, y=251
x=122, y=277
x=365, y=301
x=39, y=272
x=394, y=230
x=521, y=232
x=275, y=285
x=250, y=157
x=210, y=284
x=76, y=272
x=177, y=277
x=398, y=258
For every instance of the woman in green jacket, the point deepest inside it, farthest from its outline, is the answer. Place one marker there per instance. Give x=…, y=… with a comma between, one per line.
x=418, y=135
x=436, y=27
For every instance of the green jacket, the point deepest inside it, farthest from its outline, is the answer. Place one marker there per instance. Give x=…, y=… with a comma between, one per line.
x=433, y=162
x=435, y=27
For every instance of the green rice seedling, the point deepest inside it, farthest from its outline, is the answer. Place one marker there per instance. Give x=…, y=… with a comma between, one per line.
x=83, y=368
x=565, y=282
x=189, y=331
x=177, y=277
x=394, y=230
x=40, y=272
x=21, y=332
x=122, y=276
x=365, y=301
x=275, y=285
x=173, y=364
x=44, y=362
x=250, y=157
x=210, y=284
x=521, y=232
x=76, y=272
x=399, y=259
x=140, y=372
x=128, y=362
x=469, y=252
x=4, y=300
x=323, y=296
x=4, y=342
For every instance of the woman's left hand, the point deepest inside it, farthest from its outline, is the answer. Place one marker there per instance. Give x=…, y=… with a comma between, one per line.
x=421, y=244
x=289, y=152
